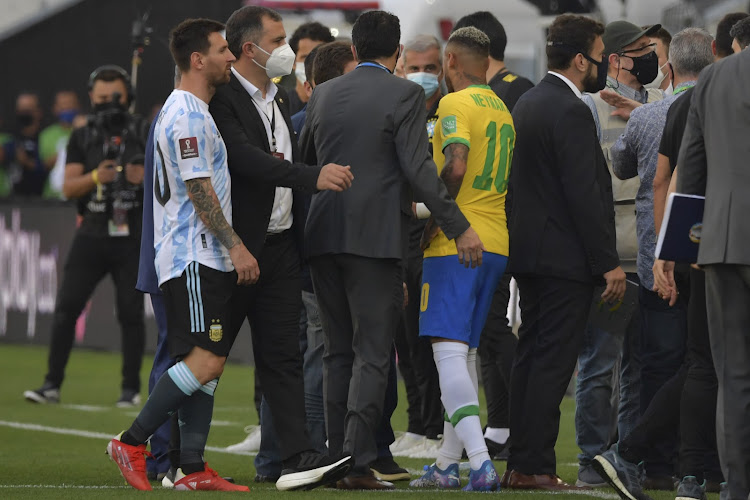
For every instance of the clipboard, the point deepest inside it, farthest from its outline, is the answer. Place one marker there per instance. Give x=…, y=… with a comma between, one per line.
x=680, y=234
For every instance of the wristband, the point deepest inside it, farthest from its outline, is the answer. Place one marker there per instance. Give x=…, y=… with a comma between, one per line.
x=95, y=176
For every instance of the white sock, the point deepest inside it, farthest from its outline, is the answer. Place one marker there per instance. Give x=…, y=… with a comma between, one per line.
x=460, y=399
x=450, y=450
x=471, y=363
x=478, y=455
x=498, y=435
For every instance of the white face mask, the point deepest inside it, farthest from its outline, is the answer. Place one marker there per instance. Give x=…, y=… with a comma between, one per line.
x=299, y=72
x=280, y=61
x=660, y=76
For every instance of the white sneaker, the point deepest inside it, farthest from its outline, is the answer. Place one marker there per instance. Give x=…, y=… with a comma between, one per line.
x=428, y=449
x=405, y=443
x=251, y=442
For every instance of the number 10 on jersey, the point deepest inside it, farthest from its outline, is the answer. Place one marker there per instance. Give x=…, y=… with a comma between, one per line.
x=507, y=138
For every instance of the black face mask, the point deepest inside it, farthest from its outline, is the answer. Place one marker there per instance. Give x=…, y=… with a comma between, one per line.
x=591, y=85
x=24, y=119
x=645, y=68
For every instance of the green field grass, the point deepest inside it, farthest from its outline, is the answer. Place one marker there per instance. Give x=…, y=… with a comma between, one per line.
x=36, y=463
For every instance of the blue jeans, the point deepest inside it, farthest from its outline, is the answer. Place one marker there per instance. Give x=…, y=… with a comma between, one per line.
x=162, y=362
x=313, y=372
x=268, y=459
x=607, y=360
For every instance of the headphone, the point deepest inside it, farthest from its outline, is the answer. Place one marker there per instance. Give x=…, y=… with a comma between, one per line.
x=112, y=67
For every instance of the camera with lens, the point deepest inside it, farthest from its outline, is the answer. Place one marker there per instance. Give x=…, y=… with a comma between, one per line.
x=112, y=118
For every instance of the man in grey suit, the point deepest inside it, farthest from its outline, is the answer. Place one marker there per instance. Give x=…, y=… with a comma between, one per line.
x=713, y=162
x=374, y=122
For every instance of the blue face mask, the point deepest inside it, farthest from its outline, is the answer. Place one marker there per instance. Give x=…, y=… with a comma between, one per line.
x=67, y=116
x=427, y=81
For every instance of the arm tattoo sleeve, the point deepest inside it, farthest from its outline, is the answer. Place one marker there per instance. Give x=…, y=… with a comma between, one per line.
x=207, y=206
x=456, y=156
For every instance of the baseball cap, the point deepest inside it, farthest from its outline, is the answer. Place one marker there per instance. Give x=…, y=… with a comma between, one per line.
x=620, y=34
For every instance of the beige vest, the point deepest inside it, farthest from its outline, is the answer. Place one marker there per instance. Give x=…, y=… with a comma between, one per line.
x=623, y=192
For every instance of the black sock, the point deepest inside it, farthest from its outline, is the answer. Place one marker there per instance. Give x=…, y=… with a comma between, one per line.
x=163, y=401
x=195, y=422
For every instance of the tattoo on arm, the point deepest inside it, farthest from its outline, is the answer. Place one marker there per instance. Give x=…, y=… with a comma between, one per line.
x=456, y=156
x=207, y=206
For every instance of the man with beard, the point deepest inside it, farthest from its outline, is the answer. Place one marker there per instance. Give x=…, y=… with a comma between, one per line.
x=562, y=242
x=198, y=260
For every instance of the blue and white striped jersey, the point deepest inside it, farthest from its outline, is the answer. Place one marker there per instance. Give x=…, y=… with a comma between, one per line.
x=187, y=146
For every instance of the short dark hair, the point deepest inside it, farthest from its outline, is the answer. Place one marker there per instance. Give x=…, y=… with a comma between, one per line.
x=663, y=35
x=473, y=39
x=191, y=35
x=490, y=26
x=723, y=37
x=309, y=60
x=246, y=25
x=567, y=34
x=376, y=34
x=330, y=61
x=741, y=31
x=313, y=31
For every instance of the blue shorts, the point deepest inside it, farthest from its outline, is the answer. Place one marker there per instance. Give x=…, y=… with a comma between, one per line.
x=455, y=300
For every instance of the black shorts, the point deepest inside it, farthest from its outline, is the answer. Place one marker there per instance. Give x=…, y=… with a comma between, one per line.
x=197, y=306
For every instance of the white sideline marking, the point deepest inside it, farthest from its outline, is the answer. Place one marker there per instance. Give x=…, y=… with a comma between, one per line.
x=90, y=408
x=63, y=487
x=94, y=435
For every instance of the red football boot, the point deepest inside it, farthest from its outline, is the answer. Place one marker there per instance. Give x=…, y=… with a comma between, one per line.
x=132, y=462
x=207, y=479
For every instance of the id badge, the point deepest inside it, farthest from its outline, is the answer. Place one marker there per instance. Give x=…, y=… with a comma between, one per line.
x=278, y=155
x=118, y=229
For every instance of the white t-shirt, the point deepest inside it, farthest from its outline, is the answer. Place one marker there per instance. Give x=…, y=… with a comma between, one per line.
x=187, y=145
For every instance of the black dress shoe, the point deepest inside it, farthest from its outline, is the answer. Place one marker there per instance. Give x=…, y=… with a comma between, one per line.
x=387, y=469
x=498, y=451
x=367, y=482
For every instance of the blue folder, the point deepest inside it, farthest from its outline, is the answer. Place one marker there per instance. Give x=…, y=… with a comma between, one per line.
x=680, y=232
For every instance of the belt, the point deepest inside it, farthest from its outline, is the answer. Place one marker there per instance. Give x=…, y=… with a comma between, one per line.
x=272, y=238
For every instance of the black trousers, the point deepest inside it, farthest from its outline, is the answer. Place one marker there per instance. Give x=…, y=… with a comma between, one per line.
x=497, y=346
x=416, y=362
x=90, y=259
x=698, y=453
x=360, y=301
x=554, y=313
x=727, y=299
x=686, y=402
x=272, y=307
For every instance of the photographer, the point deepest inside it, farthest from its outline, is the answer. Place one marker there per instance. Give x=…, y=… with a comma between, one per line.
x=104, y=173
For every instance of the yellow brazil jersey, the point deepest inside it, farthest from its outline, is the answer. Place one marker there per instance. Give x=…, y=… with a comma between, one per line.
x=479, y=119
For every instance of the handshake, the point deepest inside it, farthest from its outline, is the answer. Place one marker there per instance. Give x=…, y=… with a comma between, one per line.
x=334, y=177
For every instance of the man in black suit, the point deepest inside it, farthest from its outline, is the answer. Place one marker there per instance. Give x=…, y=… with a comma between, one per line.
x=562, y=242
x=713, y=162
x=356, y=239
x=253, y=117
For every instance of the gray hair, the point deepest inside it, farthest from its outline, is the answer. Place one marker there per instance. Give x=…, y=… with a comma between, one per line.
x=690, y=51
x=423, y=43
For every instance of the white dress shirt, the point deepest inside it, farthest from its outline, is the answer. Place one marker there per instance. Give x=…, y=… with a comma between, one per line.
x=281, y=215
x=567, y=80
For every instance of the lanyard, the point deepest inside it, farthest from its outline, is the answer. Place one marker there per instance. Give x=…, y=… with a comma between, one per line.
x=373, y=65
x=682, y=88
x=272, y=122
